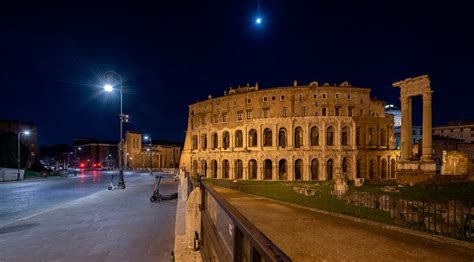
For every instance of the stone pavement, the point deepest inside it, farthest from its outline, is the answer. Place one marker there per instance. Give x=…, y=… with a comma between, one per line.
x=308, y=235
x=119, y=225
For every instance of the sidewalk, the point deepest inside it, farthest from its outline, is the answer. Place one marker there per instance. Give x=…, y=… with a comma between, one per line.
x=307, y=235
x=119, y=225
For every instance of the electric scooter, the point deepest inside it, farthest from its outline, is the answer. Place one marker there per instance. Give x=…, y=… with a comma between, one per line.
x=156, y=192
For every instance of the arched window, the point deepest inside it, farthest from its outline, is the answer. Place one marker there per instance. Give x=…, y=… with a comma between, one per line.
x=195, y=168
x=204, y=142
x=194, y=142
x=358, y=136
x=267, y=169
x=214, y=169
x=282, y=138
x=392, y=168
x=225, y=169
x=371, y=135
x=372, y=169
x=253, y=169
x=298, y=137
x=345, y=136
x=282, y=170
x=330, y=136
x=314, y=136
x=344, y=165
x=298, y=169
x=215, y=141
x=314, y=169
x=267, y=137
x=225, y=140
x=239, y=169
x=383, y=137
x=239, y=141
x=384, y=169
x=204, y=167
x=253, y=137
x=329, y=169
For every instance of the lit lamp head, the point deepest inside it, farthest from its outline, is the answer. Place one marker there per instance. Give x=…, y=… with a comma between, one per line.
x=108, y=88
x=26, y=132
x=258, y=20
x=146, y=137
x=148, y=149
x=79, y=148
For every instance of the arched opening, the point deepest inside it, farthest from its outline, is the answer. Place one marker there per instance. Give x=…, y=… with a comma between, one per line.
x=215, y=141
x=329, y=169
x=358, y=137
x=330, y=136
x=282, y=170
x=344, y=165
x=372, y=169
x=384, y=169
x=239, y=169
x=225, y=169
x=314, y=136
x=204, y=167
x=345, y=136
x=239, y=141
x=204, y=142
x=253, y=169
x=298, y=137
x=282, y=138
x=383, y=137
x=267, y=137
x=194, y=142
x=298, y=169
x=195, y=168
x=253, y=137
x=371, y=137
x=214, y=168
x=267, y=167
x=225, y=140
x=393, y=167
x=358, y=169
x=315, y=169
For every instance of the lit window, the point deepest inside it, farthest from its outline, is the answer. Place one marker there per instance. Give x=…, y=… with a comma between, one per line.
x=249, y=114
x=303, y=111
x=239, y=116
x=265, y=113
x=285, y=111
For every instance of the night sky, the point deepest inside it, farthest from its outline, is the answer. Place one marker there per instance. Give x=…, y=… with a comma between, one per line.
x=172, y=53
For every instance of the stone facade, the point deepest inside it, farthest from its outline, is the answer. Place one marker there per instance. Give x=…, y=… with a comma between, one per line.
x=456, y=163
x=290, y=133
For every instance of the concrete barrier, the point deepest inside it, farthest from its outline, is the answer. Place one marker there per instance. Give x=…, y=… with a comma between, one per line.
x=10, y=174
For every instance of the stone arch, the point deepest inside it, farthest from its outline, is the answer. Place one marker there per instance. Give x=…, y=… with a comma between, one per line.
x=329, y=169
x=330, y=136
x=345, y=165
x=267, y=137
x=225, y=140
x=345, y=135
x=372, y=169
x=314, y=136
x=239, y=169
x=282, y=169
x=194, y=142
x=371, y=137
x=225, y=168
x=267, y=169
x=298, y=137
x=383, y=137
x=298, y=169
x=239, y=140
x=204, y=142
x=393, y=167
x=215, y=141
x=282, y=138
x=194, y=168
x=314, y=169
x=204, y=168
x=214, y=169
x=252, y=138
x=384, y=169
x=253, y=169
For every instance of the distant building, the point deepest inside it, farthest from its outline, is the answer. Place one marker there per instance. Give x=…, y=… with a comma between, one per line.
x=397, y=120
x=94, y=152
x=31, y=140
x=138, y=153
x=448, y=144
x=463, y=130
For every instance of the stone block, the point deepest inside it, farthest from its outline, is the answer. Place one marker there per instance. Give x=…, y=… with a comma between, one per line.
x=358, y=182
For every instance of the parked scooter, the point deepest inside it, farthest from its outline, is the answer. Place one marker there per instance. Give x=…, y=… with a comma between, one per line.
x=156, y=192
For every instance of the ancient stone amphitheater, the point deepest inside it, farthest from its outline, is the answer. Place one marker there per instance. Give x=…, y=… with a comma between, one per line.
x=309, y=132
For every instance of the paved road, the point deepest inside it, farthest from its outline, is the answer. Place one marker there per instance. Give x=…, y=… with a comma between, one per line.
x=31, y=196
x=88, y=223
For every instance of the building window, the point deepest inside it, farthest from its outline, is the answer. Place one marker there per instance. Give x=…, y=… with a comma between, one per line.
x=337, y=111
x=362, y=101
x=239, y=116
x=253, y=138
x=303, y=111
x=273, y=98
x=349, y=111
x=216, y=118
x=265, y=99
x=285, y=111
x=282, y=98
x=298, y=137
x=314, y=136
x=249, y=114
x=337, y=95
x=300, y=98
x=249, y=101
x=224, y=117
x=267, y=137
x=361, y=112
x=226, y=140
x=324, y=95
x=330, y=136
x=282, y=138
x=238, y=138
x=345, y=136
x=349, y=96
x=265, y=113
x=315, y=96
x=323, y=111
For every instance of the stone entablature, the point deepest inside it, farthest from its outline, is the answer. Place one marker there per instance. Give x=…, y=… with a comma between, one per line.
x=295, y=143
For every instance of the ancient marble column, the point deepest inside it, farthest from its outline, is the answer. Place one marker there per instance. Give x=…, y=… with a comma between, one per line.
x=406, y=129
x=427, y=150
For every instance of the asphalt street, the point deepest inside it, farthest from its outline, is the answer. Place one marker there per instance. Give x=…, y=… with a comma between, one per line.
x=32, y=196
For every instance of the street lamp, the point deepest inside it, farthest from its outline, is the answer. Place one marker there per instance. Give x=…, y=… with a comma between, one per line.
x=109, y=88
x=75, y=158
x=26, y=133
x=150, y=152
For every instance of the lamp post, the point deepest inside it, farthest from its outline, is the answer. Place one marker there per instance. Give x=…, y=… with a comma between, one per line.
x=75, y=158
x=26, y=133
x=150, y=152
x=109, y=88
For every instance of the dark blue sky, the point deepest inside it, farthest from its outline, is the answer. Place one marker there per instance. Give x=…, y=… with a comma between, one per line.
x=173, y=53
